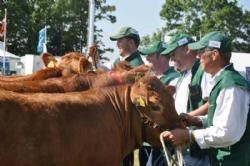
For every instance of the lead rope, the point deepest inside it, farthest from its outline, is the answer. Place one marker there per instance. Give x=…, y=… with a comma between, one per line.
x=175, y=160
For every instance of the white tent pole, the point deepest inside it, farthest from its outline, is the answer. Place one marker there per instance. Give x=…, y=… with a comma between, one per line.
x=91, y=27
x=91, y=22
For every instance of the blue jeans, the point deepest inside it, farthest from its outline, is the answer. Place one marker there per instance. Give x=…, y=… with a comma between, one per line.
x=156, y=158
x=194, y=161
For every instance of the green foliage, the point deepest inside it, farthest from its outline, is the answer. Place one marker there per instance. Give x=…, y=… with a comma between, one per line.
x=67, y=23
x=198, y=17
x=146, y=40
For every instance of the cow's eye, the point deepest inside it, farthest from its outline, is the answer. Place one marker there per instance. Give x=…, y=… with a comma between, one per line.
x=155, y=108
x=152, y=88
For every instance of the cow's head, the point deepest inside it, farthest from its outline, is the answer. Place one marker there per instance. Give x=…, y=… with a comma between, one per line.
x=73, y=62
x=70, y=63
x=155, y=105
x=48, y=60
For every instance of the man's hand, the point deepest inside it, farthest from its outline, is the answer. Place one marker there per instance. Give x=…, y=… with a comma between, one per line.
x=190, y=120
x=177, y=137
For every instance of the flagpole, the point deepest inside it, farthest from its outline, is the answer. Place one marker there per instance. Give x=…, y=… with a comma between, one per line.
x=45, y=40
x=4, y=40
x=91, y=25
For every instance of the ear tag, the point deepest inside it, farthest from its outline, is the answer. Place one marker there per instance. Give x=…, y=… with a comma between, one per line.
x=141, y=102
x=51, y=64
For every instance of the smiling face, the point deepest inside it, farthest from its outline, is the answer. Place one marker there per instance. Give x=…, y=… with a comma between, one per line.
x=124, y=46
x=153, y=58
x=159, y=63
x=205, y=57
x=183, y=58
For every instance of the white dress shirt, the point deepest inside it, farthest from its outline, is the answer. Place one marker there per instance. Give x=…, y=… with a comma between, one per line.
x=206, y=85
x=182, y=92
x=229, y=121
x=174, y=82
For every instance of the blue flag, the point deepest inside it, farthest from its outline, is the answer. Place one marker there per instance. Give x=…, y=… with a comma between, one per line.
x=41, y=40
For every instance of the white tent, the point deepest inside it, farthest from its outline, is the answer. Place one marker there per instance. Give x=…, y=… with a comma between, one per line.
x=8, y=54
x=240, y=61
x=10, y=61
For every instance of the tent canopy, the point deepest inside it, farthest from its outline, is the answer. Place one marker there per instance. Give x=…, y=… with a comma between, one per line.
x=8, y=54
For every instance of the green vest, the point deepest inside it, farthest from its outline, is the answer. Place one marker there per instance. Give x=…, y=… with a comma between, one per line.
x=239, y=153
x=169, y=75
x=195, y=94
x=134, y=59
x=195, y=101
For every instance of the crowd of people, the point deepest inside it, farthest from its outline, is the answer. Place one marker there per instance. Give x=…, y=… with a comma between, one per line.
x=211, y=97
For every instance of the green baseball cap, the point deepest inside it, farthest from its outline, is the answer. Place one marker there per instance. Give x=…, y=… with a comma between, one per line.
x=216, y=39
x=178, y=40
x=126, y=32
x=154, y=47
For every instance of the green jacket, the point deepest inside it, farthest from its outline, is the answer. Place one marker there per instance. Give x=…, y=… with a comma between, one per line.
x=195, y=101
x=169, y=75
x=195, y=94
x=239, y=153
x=134, y=59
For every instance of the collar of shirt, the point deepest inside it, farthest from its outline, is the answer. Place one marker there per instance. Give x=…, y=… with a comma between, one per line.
x=159, y=76
x=182, y=92
x=213, y=78
x=123, y=58
x=186, y=73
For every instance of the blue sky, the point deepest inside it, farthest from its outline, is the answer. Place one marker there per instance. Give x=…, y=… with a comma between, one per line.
x=143, y=15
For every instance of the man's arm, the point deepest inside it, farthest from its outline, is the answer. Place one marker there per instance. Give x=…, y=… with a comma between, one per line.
x=202, y=110
x=229, y=122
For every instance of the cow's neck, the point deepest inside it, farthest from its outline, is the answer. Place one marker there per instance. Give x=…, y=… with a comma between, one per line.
x=128, y=119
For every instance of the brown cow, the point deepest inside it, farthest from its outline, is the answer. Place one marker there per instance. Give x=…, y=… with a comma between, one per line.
x=77, y=82
x=69, y=64
x=95, y=127
x=73, y=62
x=38, y=75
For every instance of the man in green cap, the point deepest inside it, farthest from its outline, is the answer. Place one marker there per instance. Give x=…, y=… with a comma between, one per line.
x=128, y=40
x=227, y=132
x=190, y=88
x=192, y=75
x=160, y=66
x=160, y=62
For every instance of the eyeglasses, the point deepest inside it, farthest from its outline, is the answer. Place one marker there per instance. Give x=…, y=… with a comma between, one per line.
x=204, y=52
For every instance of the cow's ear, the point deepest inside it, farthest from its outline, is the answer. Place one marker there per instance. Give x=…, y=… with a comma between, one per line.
x=84, y=65
x=48, y=60
x=171, y=89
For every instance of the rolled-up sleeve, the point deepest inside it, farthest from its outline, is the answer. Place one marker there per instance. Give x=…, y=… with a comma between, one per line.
x=229, y=122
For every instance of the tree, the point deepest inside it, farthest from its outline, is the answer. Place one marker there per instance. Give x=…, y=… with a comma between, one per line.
x=66, y=20
x=17, y=28
x=197, y=17
x=146, y=40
